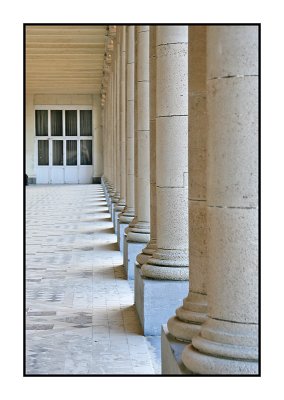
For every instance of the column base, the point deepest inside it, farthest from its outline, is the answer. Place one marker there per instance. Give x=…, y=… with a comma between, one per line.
x=120, y=234
x=112, y=206
x=131, y=250
x=154, y=308
x=115, y=214
x=171, y=350
x=205, y=364
x=223, y=348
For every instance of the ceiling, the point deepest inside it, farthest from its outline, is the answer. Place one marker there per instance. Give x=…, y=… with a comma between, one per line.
x=64, y=59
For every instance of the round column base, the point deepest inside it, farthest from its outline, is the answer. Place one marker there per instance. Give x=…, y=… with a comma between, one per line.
x=205, y=364
x=124, y=219
x=168, y=265
x=223, y=347
x=147, y=252
x=139, y=232
x=139, y=237
x=181, y=330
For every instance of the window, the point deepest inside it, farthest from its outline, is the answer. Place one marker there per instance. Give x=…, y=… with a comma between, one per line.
x=41, y=122
x=67, y=140
x=71, y=152
x=86, y=122
x=86, y=152
x=57, y=152
x=56, y=123
x=43, y=150
x=71, y=122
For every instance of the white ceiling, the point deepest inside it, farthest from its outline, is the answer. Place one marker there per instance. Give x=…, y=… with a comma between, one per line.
x=64, y=59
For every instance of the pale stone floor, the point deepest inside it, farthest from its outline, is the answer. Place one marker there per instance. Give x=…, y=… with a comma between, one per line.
x=80, y=316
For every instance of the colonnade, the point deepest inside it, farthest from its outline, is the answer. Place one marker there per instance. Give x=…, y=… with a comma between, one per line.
x=180, y=126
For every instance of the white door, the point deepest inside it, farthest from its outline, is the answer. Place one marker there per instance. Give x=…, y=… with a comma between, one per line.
x=63, y=144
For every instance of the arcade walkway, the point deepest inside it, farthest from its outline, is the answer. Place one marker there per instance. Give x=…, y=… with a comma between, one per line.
x=80, y=313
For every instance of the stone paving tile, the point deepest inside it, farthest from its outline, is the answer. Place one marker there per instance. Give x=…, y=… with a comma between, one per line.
x=80, y=317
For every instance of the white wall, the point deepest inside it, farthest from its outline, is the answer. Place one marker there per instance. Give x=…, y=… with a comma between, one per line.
x=30, y=129
x=41, y=99
x=98, y=163
x=77, y=99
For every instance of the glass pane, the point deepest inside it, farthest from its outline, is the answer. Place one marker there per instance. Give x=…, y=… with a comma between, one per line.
x=41, y=124
x=56, y=122
x=86, y=122
x=43, y=158
x=57, y=150
x=71, y=123
x=86, y=152
x=71, y=152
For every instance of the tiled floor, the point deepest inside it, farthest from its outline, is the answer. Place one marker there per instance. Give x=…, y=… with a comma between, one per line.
x=80, y=313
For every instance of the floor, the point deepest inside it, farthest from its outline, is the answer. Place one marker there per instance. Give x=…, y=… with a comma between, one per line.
x=80, y=317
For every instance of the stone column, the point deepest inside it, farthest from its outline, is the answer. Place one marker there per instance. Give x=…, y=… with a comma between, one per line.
x=121, y=144
x=116, y=149
x=129, y=211
x=97, y=139
x=139, y=233
x=228, y=340
x=169, y=263
x=110, y=182
x=148, y=251
x=122, y=200
x=192, y=314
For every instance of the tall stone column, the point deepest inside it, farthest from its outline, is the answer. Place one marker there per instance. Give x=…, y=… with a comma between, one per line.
x=110, y=182
x=168, y=267
x=193, y=313
x=128, y=213
x=188, y=319
x=152, y=245
x=113, y=130
x=121, y=175
x=139, y=233
x=116, y=149
x=228, y=340
x=170, y=261
x=122, y=200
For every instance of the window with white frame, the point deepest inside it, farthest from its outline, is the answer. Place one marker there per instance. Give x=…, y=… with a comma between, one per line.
x=63, y=135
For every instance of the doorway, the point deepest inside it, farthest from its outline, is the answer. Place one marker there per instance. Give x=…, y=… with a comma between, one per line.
x=63, y=144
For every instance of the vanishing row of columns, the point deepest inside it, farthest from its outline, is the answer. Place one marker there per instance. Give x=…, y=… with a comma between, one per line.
x=181, y=180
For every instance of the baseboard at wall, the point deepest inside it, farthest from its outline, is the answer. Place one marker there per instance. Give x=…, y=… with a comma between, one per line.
x=97, y=179
x=31, y=180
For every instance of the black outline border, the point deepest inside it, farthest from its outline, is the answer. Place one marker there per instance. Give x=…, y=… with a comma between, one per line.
x=24, y=197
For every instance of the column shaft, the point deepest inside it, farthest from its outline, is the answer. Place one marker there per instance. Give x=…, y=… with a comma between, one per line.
x=139, y=232
x=228, y=340
x=148, y=251
x=122, y=200
x=193, y=313
x=170, y=261
x=128, y=212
